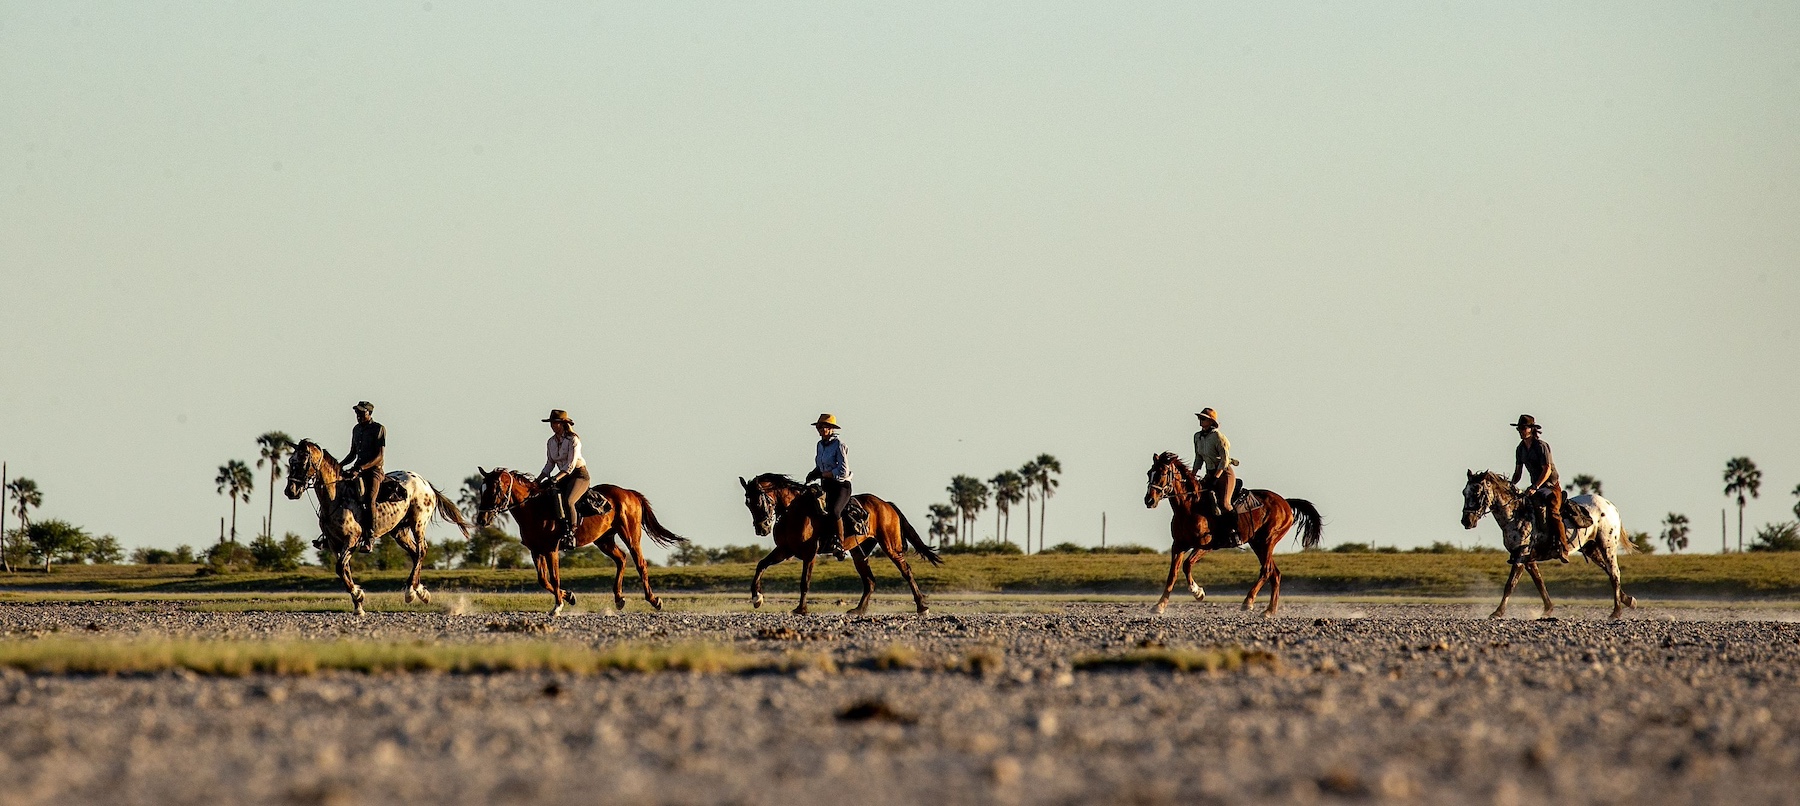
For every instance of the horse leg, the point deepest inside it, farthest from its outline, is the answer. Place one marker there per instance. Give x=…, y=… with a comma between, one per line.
x=542, y=563
x=1532, y=569
x=805, y=581
x=1609, y=563
x=1274, y=586
x=1187, y=570
x=643, y=569
x=775, y=556
x=1264, y=555
x=414, y=589
x=1512, y=579
x=357, y=596
x=868, y=581
x=611, y=549
x=1162, y=603
x=554, y=563
x=899, y=560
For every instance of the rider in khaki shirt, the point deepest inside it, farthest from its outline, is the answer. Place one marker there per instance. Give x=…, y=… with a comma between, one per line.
x=1212, y=457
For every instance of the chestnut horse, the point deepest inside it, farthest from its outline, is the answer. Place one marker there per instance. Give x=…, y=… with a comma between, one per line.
x=794, y=513
x=630, y=517
x=340, y=514
x=1195, y=534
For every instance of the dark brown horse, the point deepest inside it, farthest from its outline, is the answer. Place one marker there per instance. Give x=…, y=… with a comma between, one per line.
x=1195, y=533
x=630, y=517
x=794, y=513
x=340, y=515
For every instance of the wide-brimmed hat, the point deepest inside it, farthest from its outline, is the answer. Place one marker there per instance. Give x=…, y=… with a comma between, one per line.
x=1208, y=414
x=364, y=406
x=826, y=421
x=1527, y=421
x=558, y=416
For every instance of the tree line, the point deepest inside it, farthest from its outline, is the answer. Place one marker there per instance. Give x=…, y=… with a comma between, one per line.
x=953, y=524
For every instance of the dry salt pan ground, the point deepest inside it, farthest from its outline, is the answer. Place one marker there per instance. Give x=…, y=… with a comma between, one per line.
x=1351, y=702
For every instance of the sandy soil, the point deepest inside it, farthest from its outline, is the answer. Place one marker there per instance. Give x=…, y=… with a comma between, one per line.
x=1417, y=702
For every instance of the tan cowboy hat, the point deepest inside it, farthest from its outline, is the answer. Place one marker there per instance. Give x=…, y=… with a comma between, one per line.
x=1527, y=421
x=827, y=421
x=1208, y=414
x=558, y=416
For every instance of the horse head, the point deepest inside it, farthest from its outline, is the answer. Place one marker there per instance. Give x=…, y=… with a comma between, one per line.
x=501, y=490
x=1486, y=492
x=305, y=467
x=1166, y=479
x=767, y=496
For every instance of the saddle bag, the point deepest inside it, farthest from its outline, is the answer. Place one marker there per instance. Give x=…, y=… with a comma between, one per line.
x=1576, y=515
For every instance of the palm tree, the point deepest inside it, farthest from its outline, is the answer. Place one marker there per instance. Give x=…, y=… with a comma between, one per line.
x=1675, y=531
x=235, y=482
x=1741, y=476
x=469, y=497
x=969, y=496
x=1047, y=468
x=272, y=448
x=25, y=495
x=943, y=522
x=1028, y=474
x=1009, y=488
x=1797, y=502
x=1584, y=484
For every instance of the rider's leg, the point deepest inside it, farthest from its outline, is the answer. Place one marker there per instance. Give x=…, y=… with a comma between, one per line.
x=574, y=487
x=371, y=494
x=837, y=497
x=1555, y=519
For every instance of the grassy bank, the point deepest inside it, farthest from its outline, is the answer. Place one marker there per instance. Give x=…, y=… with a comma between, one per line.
x=1736, y=575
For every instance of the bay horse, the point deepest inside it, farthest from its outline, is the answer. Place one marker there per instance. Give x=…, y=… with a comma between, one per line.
x=340, y=514
x=1194, y=533
x=1600, y=542
x=795, y=514
x=530, y=505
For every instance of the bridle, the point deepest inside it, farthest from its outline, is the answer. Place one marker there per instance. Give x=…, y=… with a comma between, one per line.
x=1165, y=487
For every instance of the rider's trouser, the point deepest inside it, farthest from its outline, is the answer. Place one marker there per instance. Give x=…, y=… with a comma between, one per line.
x=570, y=489
x=370, y=481
x=837, y=498
x=1550, y=497
x=1224, y=484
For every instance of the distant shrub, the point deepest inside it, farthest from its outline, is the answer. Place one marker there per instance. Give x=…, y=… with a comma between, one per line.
x=1641, y=542
x=1777, y=537
x=983, y=547
x=181, y=555
x=57, y=540
x=225, y=557
x=1437, y=547
x=1124, y=548
x=286, y=554
x=690, y=554
x=1363, y=548
x=105, y=550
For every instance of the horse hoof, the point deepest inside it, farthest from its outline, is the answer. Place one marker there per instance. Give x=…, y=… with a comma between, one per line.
x=1497, y=614
x=656, y=604
x=409, y=596
x=800, y=611
x=857, y=611
x=568, y=598
x=1631, y=602
x=756, y=603
x=1159, y=607
x=923, y=610
x=618, y=604
x=556, y=611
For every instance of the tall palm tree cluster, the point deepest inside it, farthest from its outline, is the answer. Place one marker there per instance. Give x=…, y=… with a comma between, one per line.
x=235, y=480
x=1035, y=481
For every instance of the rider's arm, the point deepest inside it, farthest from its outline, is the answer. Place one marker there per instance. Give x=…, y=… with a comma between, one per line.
x=549, y=458
x=840, y=463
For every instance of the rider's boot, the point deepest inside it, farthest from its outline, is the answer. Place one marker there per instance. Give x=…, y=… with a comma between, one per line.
x=565, y=535
x=1210, y=500
x=834, y=542
x=369, y=536
x=1562, y=536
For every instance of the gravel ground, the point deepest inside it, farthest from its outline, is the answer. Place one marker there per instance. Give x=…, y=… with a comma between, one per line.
x=1396, y=702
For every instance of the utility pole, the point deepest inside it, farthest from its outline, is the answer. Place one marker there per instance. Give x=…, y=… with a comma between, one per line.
x=1103, y=529
x=1723, y=545
x=5, y=561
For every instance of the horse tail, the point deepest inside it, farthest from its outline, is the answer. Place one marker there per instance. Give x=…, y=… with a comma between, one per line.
x=656, y=530
x=1306, y=516
x=912, y=539
x=447, y=510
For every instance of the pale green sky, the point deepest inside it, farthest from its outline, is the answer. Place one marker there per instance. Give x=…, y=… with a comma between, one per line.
x=1370, y=234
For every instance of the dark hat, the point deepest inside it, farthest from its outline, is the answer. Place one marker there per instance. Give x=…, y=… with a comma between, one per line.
x=558, y=416
x=364, y=406
x=1527, y=421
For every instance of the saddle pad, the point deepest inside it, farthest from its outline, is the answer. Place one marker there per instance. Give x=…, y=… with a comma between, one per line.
x=1577, y=516
x=594, y=503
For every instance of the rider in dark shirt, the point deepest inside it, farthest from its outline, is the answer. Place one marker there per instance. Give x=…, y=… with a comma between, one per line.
x=368, y=449
x=1533, y=456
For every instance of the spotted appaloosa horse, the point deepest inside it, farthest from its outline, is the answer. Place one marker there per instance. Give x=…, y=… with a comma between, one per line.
x=1599, y=542
x=630, y=518
x=340, y=514
x=795, y=514
x=1194, y=533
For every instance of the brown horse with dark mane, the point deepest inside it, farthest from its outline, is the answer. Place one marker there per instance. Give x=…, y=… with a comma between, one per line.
x=1195, y=533
x=626, y=514
x=795, y=514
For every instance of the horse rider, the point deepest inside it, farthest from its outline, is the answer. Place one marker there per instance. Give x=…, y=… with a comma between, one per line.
x=1533, y=455
x=1212, y=457
x=564, y=467
x=368, y=449
x=831, y=466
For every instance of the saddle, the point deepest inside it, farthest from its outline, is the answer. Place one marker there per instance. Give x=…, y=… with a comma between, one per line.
x=1245, y=501
x=594, y=503
x=856, y=519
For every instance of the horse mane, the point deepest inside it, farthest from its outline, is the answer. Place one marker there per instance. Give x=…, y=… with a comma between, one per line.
x=325, y=454
x=780, y=480
x=1187, y=473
